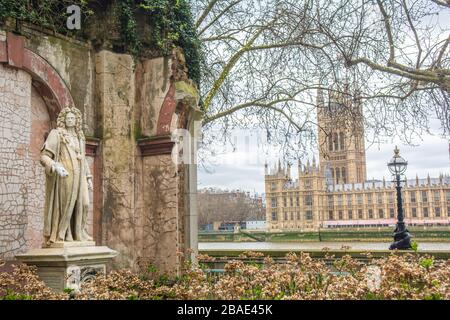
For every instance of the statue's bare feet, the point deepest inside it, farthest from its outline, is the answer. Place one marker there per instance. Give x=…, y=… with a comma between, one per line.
x=69, y=235
x=86, y=236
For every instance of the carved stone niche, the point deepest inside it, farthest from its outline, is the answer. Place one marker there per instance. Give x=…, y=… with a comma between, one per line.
x=67, y=266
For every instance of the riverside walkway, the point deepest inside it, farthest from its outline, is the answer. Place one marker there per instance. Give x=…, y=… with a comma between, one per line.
x=306, y=246
x=223, y=252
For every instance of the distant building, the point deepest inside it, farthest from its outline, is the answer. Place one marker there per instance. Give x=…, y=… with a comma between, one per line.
x=255, y=225
x=207, y=227
x=335, y=193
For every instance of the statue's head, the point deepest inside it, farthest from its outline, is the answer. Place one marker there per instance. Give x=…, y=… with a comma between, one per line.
x=70, y=118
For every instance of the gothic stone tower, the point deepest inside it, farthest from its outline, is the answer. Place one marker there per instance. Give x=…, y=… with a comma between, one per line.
x=341, y=137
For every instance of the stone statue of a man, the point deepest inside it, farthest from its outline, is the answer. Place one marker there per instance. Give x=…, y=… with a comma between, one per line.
x=68, y=179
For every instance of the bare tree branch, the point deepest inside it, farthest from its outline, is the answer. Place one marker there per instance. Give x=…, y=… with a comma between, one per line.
x=223, y=12
x=266, y=60
x=445, y=3
x=205, y=13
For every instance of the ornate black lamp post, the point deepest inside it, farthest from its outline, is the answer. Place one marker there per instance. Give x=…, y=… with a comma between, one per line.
x=402, y=237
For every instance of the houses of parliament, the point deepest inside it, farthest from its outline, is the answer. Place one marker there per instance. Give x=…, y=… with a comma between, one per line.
x=335, y=192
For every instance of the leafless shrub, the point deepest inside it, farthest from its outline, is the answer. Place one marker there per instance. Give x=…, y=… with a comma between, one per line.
x=401, y=276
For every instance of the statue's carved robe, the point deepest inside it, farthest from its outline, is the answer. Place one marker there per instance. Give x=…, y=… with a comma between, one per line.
x=67, y=199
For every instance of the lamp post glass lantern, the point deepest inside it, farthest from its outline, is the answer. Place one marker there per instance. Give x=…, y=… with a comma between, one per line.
x=402, y=238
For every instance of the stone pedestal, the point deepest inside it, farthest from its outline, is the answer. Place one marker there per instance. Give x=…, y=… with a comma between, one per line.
x=66, y=265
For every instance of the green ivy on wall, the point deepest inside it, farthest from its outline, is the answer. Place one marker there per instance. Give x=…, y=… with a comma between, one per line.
x=44, y=13
x=170, y=21
x=172, y=25
x=128, y=26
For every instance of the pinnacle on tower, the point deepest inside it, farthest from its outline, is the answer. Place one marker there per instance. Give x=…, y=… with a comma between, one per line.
x=346, y=85
x=319, y=99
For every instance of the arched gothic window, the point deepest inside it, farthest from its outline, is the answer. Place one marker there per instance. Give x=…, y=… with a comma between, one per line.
x=344, y=175
x=338, y=175
x=336, y=142
x=342, y=141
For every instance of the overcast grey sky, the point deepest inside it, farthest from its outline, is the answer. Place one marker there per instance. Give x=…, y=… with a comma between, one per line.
x=244, y=168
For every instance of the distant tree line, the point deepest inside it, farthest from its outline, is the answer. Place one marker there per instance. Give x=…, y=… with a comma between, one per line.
x=224, y=205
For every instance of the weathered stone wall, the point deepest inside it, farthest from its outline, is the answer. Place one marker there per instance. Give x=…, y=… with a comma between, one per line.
x=162, y=196
x=15, y=112
x=25, y=123
x=130, y=107
x=143, y=191
x=74, y=62
x=115, y=94
x=159, y=230
x=153, y=77
x=35, y=177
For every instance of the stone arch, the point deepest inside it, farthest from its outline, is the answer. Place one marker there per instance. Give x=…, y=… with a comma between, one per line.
x=179, y=111
x=34, y=175
x=178, y=115
x=33, y=95
x=45, y=78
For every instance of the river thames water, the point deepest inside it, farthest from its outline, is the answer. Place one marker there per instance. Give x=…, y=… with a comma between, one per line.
x=254, y=246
